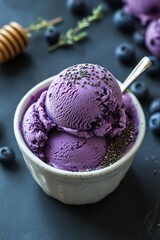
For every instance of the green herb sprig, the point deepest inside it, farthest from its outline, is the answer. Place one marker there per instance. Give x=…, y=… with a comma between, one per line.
x=41, y=24
x=76, y=34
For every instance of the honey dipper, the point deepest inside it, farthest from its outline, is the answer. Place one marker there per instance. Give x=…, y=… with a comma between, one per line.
x=14, y=38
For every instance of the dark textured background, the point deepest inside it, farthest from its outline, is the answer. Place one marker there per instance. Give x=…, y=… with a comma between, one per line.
x=25, y=211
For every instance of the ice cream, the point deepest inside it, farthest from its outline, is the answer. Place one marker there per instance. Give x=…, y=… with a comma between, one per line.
x=145, y=10
x=36, y=125
x=68, y=152
x=81, y=122
x=86, y=100
x=152, y=37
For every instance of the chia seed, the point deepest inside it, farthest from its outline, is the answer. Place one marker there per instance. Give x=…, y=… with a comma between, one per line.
x=119, y=145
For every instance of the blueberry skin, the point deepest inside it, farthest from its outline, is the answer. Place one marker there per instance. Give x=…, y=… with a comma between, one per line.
x=125, y=53
x=139, y=89
x=77, y=7
x=52, y=35
x=7, y=155
x=155, y=106
x=123, y=21
x=154, y=122
x=154, y=69
x=139, y=38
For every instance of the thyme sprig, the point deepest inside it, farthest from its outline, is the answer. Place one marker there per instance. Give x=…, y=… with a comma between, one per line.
x=76, y=34
x=42, y=23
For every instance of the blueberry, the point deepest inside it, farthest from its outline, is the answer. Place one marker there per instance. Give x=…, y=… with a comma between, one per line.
x=52, y=35
x=154, y=69
x=139, y=89
x=154, y=122
x=114, y=3
x=155, y=106
x=139, y=38
x=7, y=155
x=125, y=53
x=77, y=7
x=123, y=20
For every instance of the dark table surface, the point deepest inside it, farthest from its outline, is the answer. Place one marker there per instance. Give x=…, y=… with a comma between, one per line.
x=131, y=211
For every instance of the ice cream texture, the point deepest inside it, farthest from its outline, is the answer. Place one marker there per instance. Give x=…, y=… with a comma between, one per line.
x=68, y=152
x=74, y=123
x=86, y=100
x=145, y=10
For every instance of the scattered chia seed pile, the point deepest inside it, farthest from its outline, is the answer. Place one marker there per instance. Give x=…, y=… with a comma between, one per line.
x=119, y=145
x=87, y=71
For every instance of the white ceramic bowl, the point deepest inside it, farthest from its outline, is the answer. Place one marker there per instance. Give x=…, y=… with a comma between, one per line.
x=75, y=187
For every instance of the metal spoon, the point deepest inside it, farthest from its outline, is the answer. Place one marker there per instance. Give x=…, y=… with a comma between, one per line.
x=140, y=68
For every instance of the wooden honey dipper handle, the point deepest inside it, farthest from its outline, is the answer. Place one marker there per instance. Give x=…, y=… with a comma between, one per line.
x=14, y=38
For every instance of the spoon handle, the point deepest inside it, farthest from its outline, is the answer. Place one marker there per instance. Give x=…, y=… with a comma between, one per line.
x=141, y=67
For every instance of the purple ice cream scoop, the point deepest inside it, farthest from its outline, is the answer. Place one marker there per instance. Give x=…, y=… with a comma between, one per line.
x=85, y=100
x=152, y=37
x=36, y=125
x=71, y=153
x=145, y=10
x=68, y=124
